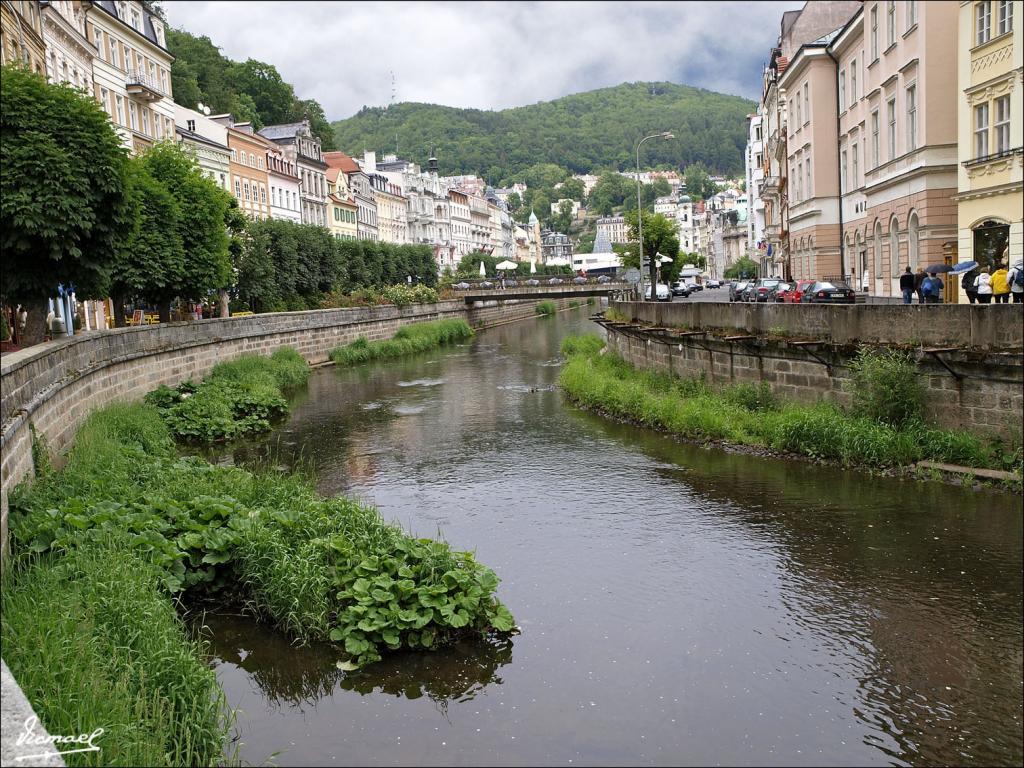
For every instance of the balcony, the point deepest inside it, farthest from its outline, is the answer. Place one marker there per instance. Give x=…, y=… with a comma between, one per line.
x=770, y=186
x=142, y=86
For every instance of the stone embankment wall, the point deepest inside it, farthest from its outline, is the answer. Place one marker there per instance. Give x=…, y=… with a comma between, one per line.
x=985, y=395
x=53, y=386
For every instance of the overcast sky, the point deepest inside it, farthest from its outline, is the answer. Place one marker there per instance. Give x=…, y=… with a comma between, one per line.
x=489, y=55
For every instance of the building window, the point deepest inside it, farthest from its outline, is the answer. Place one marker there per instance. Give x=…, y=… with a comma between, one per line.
x=807, y=104
x=263, y=194
x=1005, y=17
x=981, y=130
x=875, y=153
x=911, y=118
x=855, y=178
x=890, y=13
x=853, y=82
x=842, y=91
x=145, y=121
x=241, y=158
x=874, y=33
x=878, y=248
x=238, y=189
x=807, y=165
x=911, y=14
x=1002, y=124
x=891, y=114
x=990, y=242
x=252, y=160
x=894, y=248
x=842, y=173
x=245, y=186
x=259, y=161
x=105, y=100
x=234, y=157
x=120, y=110
x=913, y=241
x=984, y=16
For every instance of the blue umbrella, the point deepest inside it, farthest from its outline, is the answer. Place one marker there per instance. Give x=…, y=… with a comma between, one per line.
x=963, y=266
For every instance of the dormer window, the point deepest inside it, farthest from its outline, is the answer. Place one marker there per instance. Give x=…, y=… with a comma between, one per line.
x=136, y=20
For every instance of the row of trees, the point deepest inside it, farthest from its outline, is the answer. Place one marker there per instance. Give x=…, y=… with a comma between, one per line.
x=288, y=266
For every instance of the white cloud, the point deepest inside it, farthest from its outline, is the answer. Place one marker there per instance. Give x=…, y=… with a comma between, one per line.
x=488, y=55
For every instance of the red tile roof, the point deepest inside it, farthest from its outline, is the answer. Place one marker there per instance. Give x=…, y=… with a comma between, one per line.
x=341, y=161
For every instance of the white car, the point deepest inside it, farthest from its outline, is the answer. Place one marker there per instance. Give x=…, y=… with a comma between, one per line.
x=714, y=284
x=664, y=294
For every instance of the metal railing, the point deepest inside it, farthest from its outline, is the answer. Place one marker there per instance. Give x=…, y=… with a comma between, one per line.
x=134, y=77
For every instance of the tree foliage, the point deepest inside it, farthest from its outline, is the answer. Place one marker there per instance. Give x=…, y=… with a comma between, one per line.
x=64, y=214
x=660, y=236
x=744, y=267
x=581, y=133
x=251, y=90
x=699, y=185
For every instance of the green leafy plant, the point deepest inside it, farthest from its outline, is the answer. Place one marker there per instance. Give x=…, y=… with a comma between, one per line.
x=545, y=308
x=408, y=340
x=886, y=387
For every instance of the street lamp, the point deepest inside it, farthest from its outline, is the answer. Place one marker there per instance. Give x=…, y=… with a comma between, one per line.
x=640, y=217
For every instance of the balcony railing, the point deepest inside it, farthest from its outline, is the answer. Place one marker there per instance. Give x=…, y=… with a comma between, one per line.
x=142, y=85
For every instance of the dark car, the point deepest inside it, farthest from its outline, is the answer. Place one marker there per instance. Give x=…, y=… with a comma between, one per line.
x=714, y=284
x=681, y=288
x=763, y=289
x=829, y=292
x=533, y=282
x=580, y=280
x=749, y=292
x=736, y=289
x=776, y=294
x=555, y=281
x=604, y=279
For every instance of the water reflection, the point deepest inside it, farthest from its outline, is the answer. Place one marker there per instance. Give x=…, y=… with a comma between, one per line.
x=297, y=676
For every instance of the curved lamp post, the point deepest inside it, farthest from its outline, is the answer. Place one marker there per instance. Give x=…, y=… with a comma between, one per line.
x=640, y=218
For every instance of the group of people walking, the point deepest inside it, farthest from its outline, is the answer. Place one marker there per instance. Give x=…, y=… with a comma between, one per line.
x=982, y=285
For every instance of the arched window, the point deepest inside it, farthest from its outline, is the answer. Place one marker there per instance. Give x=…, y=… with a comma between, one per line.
x=878, y=249
x=894, y=247
x=862, y=256
x=913, y=241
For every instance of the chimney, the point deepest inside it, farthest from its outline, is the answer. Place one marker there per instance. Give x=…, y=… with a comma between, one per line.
x=369, y=161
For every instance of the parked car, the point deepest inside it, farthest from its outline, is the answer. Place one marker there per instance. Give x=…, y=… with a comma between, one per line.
x=829, y=292
x=694, y=285
x=775, y=295
x=533, y=282
x=763, y=288
x=714, y=284
x=664, y=294
x=736, y=289
x=796, y=291
x=555, y=281
x=681, y=288
x=749, y=292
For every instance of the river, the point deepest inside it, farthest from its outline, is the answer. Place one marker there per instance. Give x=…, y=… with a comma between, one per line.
x=678, y=605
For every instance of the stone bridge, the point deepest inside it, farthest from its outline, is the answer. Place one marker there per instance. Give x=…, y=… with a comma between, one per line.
x=522, y=292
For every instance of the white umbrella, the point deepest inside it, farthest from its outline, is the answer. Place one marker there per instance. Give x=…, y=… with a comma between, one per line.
x=483, y=272
x=533, y=267
x=506, y=265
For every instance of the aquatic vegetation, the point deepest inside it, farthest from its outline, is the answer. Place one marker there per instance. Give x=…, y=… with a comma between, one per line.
x=408, y=340
x=749, y=414
x=238, y=397
x=546, y=308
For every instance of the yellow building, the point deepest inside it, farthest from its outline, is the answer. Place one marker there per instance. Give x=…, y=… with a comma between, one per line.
x=21, y=35
x=342, y=213
x=990, y=63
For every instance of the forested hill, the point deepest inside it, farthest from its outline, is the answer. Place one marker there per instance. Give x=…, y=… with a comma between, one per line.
x=584, y=132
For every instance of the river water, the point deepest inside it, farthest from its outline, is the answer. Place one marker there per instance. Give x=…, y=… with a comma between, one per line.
x=678, y=605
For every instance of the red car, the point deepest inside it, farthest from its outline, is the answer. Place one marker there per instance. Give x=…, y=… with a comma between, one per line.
x=795, y=294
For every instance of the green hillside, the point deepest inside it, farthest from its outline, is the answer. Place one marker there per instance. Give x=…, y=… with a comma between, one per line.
x=584, y=132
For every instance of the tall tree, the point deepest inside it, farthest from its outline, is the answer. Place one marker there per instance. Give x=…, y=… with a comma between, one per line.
x=64, y=214
x=660, y=237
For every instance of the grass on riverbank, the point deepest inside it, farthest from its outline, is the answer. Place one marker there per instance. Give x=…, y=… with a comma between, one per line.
x=237, y=398
x=746, y=414
x=546, y=308
x=95, y=644
x=408, y=340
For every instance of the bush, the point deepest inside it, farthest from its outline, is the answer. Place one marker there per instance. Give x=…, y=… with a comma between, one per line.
x=545, y=308
x=886, y=387
x=753, y=397
x=587, y=344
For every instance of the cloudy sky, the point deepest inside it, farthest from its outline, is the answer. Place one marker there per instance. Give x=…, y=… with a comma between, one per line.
x=489, y=55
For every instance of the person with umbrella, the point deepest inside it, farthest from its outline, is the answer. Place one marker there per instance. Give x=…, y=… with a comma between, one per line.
x=969, y=282
x=932, y=285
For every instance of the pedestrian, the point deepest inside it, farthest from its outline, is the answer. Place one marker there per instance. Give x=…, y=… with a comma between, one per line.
x=1000, y=285
x=907, y=285
x=969, y=283
x=1015, y=277
x=984, y=287
x=918, y=280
